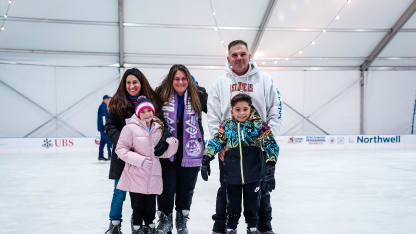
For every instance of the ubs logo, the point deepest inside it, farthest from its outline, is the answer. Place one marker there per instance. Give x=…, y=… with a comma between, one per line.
x=47, y=143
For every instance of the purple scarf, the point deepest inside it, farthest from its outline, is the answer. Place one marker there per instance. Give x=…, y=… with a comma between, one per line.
x=193, y=144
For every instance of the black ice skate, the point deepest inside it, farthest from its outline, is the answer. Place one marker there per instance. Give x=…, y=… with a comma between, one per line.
x=267, y=232
x=181, y=219
x=252, y=230
x=138, y=231
x=114, y=229
x=149, y=229
x=231, y=231
x=165, y=225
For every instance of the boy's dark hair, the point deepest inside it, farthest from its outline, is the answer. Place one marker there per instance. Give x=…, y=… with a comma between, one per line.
x=237, y=42
x=240, y=98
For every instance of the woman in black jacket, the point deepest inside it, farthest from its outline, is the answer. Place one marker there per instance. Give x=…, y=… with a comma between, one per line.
x=132, y=85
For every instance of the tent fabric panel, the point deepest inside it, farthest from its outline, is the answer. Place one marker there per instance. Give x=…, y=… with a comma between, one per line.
x=318, y=13
x=57, y=59
x=402, y=45
x=92, y=10
x=185, y=12
x=389, y=102
x=63, y=37
x=179, y=41
x=411, y=23
x=330, y=44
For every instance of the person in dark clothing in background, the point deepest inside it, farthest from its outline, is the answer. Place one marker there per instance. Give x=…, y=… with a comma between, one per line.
x=104, y=140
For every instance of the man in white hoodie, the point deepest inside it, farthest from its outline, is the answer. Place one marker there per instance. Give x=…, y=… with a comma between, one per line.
x=242, y=76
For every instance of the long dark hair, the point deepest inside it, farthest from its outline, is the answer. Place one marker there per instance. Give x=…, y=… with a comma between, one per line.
x=165, y=91
x=121, y=106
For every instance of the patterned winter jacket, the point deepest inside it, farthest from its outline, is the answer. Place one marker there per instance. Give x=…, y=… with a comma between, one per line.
x=244, y=144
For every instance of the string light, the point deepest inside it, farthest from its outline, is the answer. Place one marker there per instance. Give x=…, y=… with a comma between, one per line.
x=217, y=28
x=298, y=52
x=3, y=25
x=313, y=41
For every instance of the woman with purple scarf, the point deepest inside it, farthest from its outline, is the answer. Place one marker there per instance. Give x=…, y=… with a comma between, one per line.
x=183, y=103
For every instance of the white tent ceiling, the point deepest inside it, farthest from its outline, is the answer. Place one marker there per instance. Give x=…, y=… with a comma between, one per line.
x=156, y=32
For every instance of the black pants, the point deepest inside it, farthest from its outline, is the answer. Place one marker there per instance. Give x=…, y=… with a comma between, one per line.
x=251, y=200
x=264, y=213
x=179, y=181
x=144, y=208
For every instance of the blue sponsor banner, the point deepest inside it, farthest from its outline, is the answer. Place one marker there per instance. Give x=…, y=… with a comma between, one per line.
x=378, y=139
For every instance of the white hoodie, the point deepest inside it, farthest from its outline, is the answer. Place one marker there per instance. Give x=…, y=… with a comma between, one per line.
x=258, y=85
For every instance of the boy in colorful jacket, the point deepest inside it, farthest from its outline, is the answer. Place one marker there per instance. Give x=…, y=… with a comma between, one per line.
x=142, y=174
x=244, y=136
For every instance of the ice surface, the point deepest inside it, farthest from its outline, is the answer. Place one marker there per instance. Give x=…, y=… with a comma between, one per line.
x=322, y=192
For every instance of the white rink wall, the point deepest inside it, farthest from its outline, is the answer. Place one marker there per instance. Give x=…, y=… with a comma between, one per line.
x=43, y=101
x=286, y=143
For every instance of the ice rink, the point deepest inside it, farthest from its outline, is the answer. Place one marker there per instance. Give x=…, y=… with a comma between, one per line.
x=318, y=192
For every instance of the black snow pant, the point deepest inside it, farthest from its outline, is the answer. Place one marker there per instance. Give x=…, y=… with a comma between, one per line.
x=264, y=213
x=251, y=200
x=179, y=181
x=144, y=208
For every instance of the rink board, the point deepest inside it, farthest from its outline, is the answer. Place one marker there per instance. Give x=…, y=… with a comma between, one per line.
x=56, y=145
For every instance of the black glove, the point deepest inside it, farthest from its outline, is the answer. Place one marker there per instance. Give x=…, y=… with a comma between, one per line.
x=205, y=168
x=161, y=147
x=269, y=182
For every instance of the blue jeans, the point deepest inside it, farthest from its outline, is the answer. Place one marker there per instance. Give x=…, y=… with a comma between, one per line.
x=104, y=140
x=117, y=203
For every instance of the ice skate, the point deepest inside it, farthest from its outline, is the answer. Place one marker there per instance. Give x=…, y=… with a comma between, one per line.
x=231, y=231
x=214, y=232
x=149, y=229
x=138, y=231
x=267, y=232
x=165, y=223
x=181, y=219
x=114, y=228
x=252, y=230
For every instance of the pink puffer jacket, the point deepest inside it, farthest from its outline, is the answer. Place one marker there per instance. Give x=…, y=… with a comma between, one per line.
x=142, y=172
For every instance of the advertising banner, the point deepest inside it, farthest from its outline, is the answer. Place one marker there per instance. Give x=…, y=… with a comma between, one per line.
x=52, y=145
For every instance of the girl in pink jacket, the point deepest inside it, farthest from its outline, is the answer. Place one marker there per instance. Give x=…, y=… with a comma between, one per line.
x=142, y=174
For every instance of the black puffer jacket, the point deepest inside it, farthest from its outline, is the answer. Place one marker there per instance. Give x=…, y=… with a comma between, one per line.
x=203, y=98
x=113, y=128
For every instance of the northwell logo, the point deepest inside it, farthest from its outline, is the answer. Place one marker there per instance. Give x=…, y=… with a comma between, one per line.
x=378, y=139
